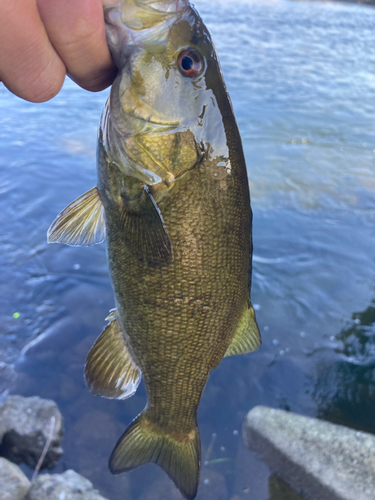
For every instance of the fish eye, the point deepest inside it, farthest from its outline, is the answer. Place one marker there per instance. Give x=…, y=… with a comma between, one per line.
x=190, y=63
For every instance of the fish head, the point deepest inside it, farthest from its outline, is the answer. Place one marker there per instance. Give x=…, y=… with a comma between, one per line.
x=165, y=100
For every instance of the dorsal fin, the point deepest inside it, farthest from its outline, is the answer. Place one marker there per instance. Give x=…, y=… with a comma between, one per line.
x=246, y=337
x=110, y=369
x=81, y=223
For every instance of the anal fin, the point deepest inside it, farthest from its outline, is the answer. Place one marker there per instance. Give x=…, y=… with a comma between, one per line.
x=81, y=223
x=246, y=337
x=110, y=369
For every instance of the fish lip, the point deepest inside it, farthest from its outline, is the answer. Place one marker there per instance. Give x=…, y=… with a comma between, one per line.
x=173, y=5
x=122, y=32
x=154, y=122
x=138, y=116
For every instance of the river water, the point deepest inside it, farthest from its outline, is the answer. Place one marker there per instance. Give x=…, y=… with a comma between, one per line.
x=302, y=80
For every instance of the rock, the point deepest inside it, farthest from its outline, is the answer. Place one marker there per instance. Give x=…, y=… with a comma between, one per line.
x=161, y=489
x=87, y=449
x=321, y=461
x=66, y=486
x=8, y=376
x=14, y=483
x=211, y=485
x=3, y=430
x=27, y=423
x=250, y=475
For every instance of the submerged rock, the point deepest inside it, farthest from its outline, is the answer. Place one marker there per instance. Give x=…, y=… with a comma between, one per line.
x=8, y=376
x=27, y=424
x=322, y=461
x=13, y=483
x=66, y=486
x=161, y=489
x=250, y=475
x=88, y=448
x=3, y=430
x=279, y=490
x=212, y=485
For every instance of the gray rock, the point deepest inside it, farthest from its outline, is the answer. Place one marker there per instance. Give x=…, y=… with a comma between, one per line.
x=13, y=483
x=321, y=461
x=66, y=486
x=27, y=424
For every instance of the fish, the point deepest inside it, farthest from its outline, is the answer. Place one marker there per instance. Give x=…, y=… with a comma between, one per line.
x=172, y=202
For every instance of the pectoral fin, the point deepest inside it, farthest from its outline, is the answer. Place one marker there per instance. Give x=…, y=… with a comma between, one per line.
x=81, y=223
x=110, y=369
x=146, y=231
x=247, y=336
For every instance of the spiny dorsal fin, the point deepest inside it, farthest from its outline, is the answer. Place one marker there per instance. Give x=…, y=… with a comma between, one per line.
x=247, y=337
x=110, y=369
x=146, y=232
x=178, y=455
x=81, y=223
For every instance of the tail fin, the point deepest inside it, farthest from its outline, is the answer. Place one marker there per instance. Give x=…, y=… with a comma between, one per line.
x=144, y=441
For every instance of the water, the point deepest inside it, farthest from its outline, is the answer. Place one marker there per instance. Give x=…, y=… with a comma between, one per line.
x=302, y=81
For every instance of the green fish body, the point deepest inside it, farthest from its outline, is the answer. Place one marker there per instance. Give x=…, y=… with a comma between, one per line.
x=173, y=201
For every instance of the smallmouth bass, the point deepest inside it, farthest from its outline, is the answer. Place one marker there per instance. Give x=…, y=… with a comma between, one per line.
x=173, y=202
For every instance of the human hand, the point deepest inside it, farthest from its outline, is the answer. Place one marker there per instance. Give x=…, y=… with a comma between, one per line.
x=43, y=40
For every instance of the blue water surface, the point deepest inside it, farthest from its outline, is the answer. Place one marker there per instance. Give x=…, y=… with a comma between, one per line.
x=302, y=80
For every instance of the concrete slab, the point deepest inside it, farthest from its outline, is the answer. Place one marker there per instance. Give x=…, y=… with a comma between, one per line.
x=320, y=460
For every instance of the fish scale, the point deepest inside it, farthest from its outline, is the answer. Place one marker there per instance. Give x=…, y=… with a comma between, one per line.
x=199, y=335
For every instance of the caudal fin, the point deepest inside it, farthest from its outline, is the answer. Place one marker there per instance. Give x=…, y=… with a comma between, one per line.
x=144, y=441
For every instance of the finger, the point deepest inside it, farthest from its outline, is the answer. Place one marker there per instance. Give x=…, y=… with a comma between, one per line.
x=77, y=31
x=29, y=65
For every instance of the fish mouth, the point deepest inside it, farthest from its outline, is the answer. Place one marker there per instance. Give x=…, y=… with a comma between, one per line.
x=147, y=114
x=139, y=15
x=162, y=5
x=140, y=22
x=152, y=121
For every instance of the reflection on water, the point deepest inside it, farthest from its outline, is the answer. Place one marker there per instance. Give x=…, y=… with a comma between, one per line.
x=359, y=338
x=303, y=87
x=346, y=387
